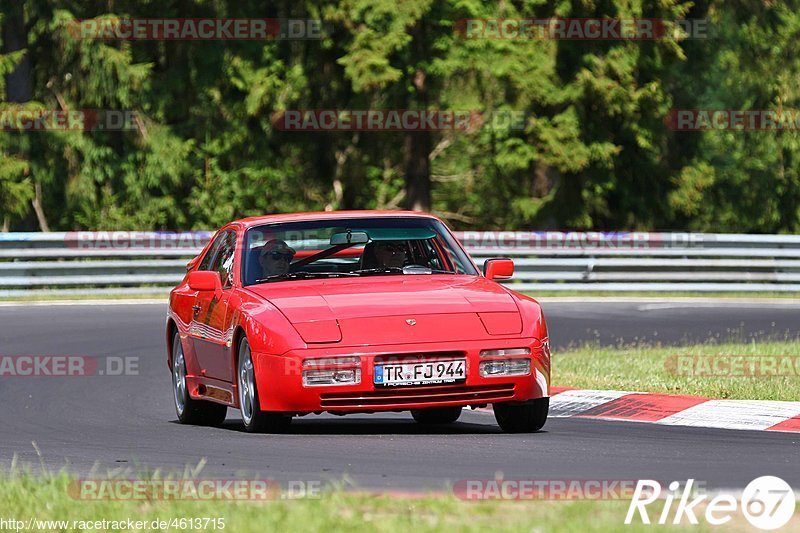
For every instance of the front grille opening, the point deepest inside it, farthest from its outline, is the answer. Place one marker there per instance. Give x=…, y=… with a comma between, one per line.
x=399, y=396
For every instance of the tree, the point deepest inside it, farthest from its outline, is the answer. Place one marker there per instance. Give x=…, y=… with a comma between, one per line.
x=16, y=190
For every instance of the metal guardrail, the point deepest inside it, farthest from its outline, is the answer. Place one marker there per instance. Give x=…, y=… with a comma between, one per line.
x=147, y=262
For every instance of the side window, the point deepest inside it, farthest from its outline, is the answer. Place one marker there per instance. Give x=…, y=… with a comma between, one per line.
x=432, y=257
x=205, y=264
x=223, y=262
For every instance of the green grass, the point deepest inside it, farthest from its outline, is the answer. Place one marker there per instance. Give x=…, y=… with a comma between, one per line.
x=46, y=498
x=647, y=369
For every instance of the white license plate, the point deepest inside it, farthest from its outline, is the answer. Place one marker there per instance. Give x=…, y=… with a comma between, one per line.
x=421, y=373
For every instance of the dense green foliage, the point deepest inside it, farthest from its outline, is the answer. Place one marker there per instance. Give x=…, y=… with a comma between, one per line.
x=595, y=151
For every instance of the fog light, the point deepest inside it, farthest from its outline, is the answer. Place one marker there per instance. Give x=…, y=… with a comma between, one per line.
x=313, y=378
x=332, y=371
x=505, y=367
x=505, y=352
x=493, y=368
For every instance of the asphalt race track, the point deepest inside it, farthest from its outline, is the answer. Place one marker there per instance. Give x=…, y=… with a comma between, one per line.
x=129, y=422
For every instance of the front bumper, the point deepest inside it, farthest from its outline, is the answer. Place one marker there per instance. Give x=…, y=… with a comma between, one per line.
x=280, y=384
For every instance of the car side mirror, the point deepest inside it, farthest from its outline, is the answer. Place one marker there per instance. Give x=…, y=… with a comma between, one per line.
x=498, y=268
x=205, y=281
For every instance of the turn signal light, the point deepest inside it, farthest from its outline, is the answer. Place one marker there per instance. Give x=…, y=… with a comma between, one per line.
x=332, y=371
x=313, y=378
x=506, y=352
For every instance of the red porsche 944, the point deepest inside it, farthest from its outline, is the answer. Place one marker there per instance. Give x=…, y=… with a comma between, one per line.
x=352, y=312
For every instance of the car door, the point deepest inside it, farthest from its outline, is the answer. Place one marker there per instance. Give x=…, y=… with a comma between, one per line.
x=211, y=332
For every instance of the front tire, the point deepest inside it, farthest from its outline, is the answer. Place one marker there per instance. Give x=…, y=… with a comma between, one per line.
x=255, y=420
x=438, y=415
x=189, y=410
x=526, y=417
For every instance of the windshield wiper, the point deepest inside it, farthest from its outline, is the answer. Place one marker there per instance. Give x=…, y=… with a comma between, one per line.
x=416, y=270
x=411, y=269
x=302, y=275
x=380, y=270
x=287, y=275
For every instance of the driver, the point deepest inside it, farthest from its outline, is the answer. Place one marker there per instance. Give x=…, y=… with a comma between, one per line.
x=390, y=254
x=275, y=257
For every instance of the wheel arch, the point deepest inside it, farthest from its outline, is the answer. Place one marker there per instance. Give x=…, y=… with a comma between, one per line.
x=172, y=328
x=238, y=334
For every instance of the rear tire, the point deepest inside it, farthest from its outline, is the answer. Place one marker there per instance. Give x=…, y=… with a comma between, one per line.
x=525, y=417
x=438, y=415
x=189, y=410
x=255, y=420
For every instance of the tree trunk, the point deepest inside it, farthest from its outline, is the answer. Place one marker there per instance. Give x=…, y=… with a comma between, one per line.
x=418, y=144
x=418, y=170
x=37, y=207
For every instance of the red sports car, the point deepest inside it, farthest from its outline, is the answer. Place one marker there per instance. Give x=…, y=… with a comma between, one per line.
x=352, y=312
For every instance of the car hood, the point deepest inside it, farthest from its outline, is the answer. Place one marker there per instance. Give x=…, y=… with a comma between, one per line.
x=379, y=309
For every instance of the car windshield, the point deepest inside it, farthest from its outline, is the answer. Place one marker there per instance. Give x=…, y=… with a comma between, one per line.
x=380, y=246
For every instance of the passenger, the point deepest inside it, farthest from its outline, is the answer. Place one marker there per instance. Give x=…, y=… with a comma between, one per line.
x=275, y=257
x=389, y=254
